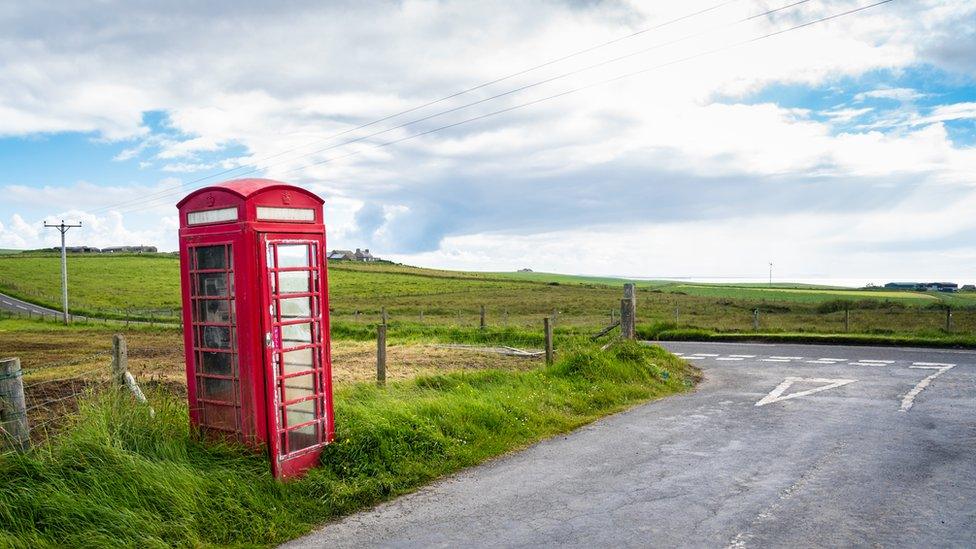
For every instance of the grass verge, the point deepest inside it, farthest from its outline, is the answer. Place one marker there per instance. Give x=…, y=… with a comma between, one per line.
x=662, y=332
x=120, y=478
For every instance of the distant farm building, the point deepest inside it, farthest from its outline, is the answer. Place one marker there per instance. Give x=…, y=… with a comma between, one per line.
x=109, y=250
x=923, y=286
x=525, y=270
x=349, y=255
x=129, y=250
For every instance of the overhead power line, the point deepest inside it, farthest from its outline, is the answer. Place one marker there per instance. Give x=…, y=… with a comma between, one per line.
x=582, y=88
x=452, y=95
x=190, y=185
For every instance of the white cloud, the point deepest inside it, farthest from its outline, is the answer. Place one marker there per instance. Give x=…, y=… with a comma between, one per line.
x=268, y=79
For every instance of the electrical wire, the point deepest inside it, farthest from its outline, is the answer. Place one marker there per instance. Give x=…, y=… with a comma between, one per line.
x=579, y=89
x=444, y=98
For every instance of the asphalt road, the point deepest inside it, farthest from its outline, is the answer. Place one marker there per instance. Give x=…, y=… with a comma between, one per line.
x=778, y=447
x=19, y=307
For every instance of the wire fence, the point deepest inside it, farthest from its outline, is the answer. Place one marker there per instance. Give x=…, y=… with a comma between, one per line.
x=36, y=402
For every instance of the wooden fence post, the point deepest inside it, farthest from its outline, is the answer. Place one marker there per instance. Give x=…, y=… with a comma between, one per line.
x=14, y=432
x=676, y=317
x=547, y=326
x=948, y=319
x=483, y=324
x=612, y=315
x=847, y=319
x=755, y=320
x=384, y=316
x=627, y=321
x=120, y=359
x=381, y=354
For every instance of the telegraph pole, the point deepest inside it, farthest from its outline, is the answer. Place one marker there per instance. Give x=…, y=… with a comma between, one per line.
x=63, y=228
x=770, y=274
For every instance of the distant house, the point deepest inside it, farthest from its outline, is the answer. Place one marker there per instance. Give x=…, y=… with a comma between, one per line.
x=923, y=286
x=364, y=255
x=968, y=288
x=349, y=255
x=903, y=286
x=942, y=287
x=340, y=255
x=129, y=250
x=525, y=270
x=79, y=249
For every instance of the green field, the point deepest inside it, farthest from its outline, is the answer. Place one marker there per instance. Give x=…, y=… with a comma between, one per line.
x=140, y=285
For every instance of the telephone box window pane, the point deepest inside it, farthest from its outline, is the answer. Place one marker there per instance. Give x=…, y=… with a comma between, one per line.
x=296, y=307
x=218, y=389
x=215, y=337
x=301, y=412
x=297, y=361
x=293, y=282
x=211, y=257
x=221, y=364
x=212, y=284
x=292, y=255
x=220, y=416
x=300, y=386
x=214, y=310
x=293, y=335
x=303, y=437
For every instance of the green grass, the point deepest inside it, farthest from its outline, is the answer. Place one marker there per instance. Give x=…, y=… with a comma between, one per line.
x=103, y=285
x=120, y=478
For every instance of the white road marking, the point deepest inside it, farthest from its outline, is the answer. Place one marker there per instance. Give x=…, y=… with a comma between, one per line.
x=678, y=354
x=876, y=361
x=743, y=356
x=774, y=359
x=788, y=357
x=705, y=354
x=730, y=358
x=821, y=361
x=866, y=364
x=834, y=359
x=931, y=364
x=908, y=400
x=776, y=394
x=695, y=357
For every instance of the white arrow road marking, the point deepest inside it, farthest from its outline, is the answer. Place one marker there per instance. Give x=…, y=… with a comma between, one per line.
x=776, y=394
x=908, y=400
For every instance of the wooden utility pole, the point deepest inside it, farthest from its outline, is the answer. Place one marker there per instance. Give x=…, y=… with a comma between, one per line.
x=63, y=228
x=14, y=432
x=547, y=326
x=381, y=354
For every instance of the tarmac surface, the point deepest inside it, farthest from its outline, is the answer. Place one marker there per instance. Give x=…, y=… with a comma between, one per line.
x=781, y=445
x=19, y=307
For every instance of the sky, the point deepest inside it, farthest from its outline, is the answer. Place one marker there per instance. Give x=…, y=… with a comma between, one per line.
x=640, y=139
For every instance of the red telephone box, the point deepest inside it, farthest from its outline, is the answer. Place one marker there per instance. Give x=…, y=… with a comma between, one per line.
x=256, y=318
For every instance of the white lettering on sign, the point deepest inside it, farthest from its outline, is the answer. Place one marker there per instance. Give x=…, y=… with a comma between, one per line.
x=268, y=213
x=211, y=216
x=776, y=394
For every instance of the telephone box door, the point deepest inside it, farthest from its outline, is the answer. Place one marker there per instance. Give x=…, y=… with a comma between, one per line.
x=296, y=350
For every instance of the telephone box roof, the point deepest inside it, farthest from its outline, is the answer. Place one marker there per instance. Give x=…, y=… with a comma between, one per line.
x=244, y=188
